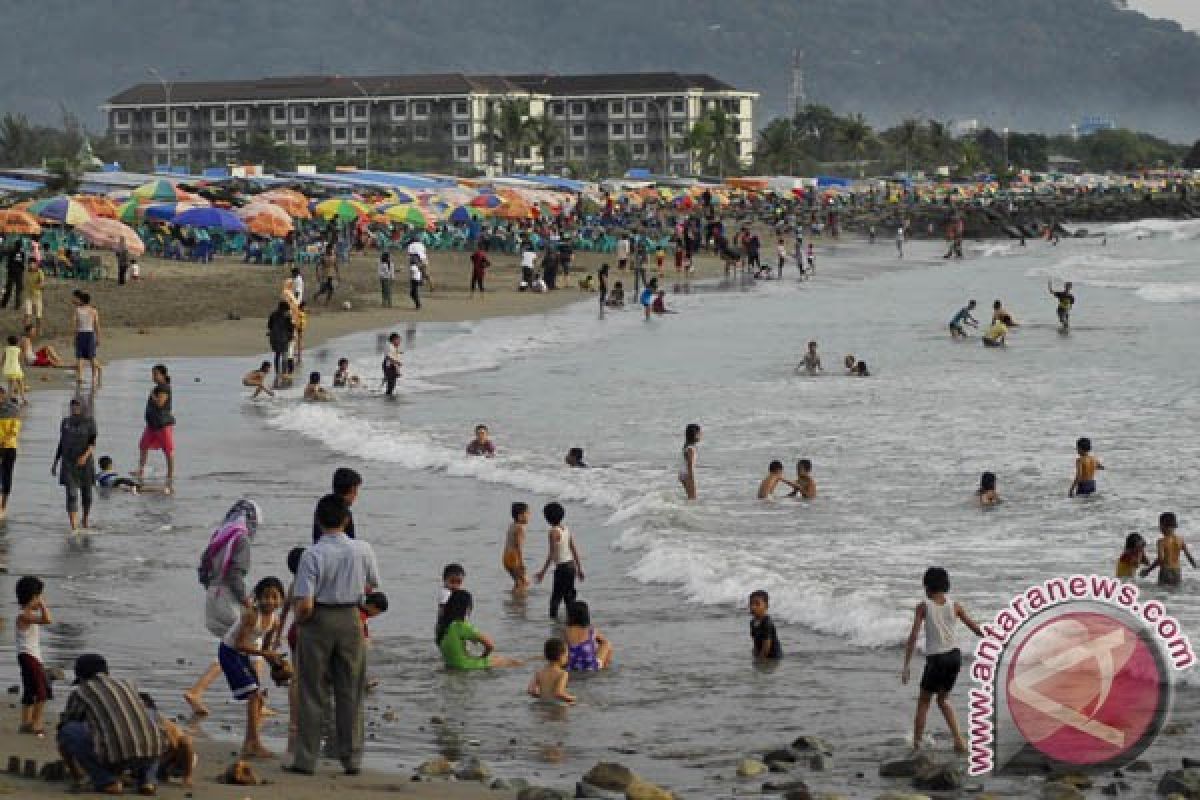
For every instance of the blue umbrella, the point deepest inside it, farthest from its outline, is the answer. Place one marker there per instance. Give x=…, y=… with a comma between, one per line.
x=161, y=212
x=461, y=216
x=209, y=218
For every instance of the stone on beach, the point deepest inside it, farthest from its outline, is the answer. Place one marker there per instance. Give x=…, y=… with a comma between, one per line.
x=1184, y=782
x=472, y=769
x=609, y=775
x=905, y=767
x=812, y=744
x=639, y=789
x=749, y=768
x=939, y=777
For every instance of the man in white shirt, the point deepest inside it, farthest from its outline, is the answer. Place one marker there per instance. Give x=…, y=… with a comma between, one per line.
x=623, y=252
x=414, y=281
x=528, y=265
x=297, y=286
x=418, y=255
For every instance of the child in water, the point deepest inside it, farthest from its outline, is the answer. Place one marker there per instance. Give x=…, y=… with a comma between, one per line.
x=762, y=629
x=805, y=485
x=314, y=391
x=1132, y=557
x=514, y=552
x=455, y=632
x=342, y=379
x=987, y=490
x=253, y=636
x=943, y=659
x=770, y=483
x=1085, y=469
x=588, y=650
x=1170, y=547
x=550, y=682
x=812, y=362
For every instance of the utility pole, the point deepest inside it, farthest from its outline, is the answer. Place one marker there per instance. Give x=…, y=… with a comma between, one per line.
x=796, y=97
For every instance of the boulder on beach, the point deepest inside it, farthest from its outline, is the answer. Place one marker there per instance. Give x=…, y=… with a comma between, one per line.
x=783, y=755
x=807, y=744
x=1184, y=782
x=639, y=789
x=472, y=769
x=541, y=793
x=782, y=787
x=609, y=775
x=750, y=768
x=939, y=777
x=905, y=767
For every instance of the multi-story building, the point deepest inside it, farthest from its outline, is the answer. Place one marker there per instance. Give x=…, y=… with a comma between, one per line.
x=606, y=120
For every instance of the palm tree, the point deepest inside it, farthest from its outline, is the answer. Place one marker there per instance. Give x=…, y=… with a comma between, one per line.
x=970, y=159
x=855, y=134
x=622, y=159
x=65, y=175
x=713, y=142
x=17, y=144
x=910, y=138
x=545, y=134
x=507, y=128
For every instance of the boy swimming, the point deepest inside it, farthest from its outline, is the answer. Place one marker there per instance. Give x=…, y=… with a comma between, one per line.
x=1169, y=549
x=550, y=682
x=1085, y=469
x=812, y=362
x=1132, y=557
x=805, y=485
x=963, y=317
x=762, y=628
x=770, y=483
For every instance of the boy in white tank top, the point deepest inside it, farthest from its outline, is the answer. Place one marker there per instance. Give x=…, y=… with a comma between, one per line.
x=563, y=557
x=943, y=659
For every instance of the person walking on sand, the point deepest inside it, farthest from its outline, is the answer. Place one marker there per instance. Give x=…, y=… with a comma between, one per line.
x=418, y=256
x=224, y=565
x=15, y=278
x=687, y=469
x=387, y=276
x=35, y=284
x=331, y=580
x=87, y=337
x=479, y=266
x=280, y=330
x=414, y=282
x=76, y=448
x=159, y=433
x=122, y=254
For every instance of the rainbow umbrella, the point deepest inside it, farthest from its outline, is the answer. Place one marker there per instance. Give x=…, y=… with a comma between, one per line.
x=62, y=210
x=486, y=200
x=462, y=215
x=408, y=215
x=161, y=190
x=129, y=211
x=97, y=205
x=18, y=222
x=342, y=208
x=163, y=212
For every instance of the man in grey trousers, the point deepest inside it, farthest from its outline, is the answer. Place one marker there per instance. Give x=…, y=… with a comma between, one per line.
x=331, y=580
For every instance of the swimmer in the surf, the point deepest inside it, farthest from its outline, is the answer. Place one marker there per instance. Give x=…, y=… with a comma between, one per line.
x=987, y=490
x=575, y=458
x=314, y=391
x=257, y=379
x=805, y=485
x=514, y=548
x=1066, y=301
x=1000, y=314
x=1085, y=469
x=995, y=335
x=861, y=371
x=850, y=362
x=963, y=317
x=770, y=483
x=812, y=362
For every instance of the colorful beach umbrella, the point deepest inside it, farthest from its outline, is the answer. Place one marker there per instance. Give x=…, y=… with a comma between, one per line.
x=291, y=201
x=342, y=209
x=106, y=234
x=162, y=212
x=18, y=222
x=408, y=215
x=160, y=190
x=462, y=215
x=97, y=205
x=266, y=219
x=486, y=200
x=209, y=218
x=61, y=209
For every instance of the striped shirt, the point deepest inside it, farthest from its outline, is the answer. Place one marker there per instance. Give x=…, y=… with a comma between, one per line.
x=122, y=729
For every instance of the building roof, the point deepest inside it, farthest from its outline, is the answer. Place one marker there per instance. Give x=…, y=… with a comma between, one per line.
x=321, y=86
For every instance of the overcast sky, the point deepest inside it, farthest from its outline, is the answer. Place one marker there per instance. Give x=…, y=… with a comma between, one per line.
x=1185, y=12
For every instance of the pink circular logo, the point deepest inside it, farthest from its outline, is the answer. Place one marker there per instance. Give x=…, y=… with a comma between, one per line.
x=1087, y=689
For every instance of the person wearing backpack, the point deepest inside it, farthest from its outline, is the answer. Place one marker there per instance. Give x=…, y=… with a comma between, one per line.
x=223, y=568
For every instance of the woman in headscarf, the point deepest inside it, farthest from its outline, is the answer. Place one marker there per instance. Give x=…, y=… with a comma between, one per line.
x=76, y=448
x=224, y=566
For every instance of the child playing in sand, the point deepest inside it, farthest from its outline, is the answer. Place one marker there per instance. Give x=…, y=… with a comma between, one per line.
x=812, y=362
x=1132, y=557
x=179, y=759
x=762, y=629
x=943, y=659
x=987, y=490
x=35, y=687
x=454, y=632
x=10, y=367
x=563, y=555
x=257, y=380
x=1085, y=469
x=805, y=485
x=514, y=544
x=550, y=682
x=314, y=391
x=769, y=484
x=1169, y=548
x=588, y=650
x=257, y=626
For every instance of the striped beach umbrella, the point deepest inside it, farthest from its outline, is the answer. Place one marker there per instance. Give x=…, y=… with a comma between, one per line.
x=159, y=190
x=341, y=208
x=408, y=215
x=18, y=222
x=61, y=209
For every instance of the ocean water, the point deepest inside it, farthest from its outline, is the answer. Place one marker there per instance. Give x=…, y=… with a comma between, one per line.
x=896, y=456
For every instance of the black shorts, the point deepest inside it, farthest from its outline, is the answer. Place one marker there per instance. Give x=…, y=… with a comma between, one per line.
x=941, y=671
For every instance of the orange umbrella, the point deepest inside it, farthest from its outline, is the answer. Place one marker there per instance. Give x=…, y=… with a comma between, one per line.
x=289, y=200
x=97, y=206
x=513, y=210
x=19, y=222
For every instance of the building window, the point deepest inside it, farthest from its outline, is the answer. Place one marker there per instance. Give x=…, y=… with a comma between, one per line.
x=299, y=113
x=526, y=152
x=577, y=131
x=280, y=135
x=160, y=117
x=677, y=106
x=162, y=159
x=420, y=109
x=618, y=129
x=737, y=127
x=218, y=115
x=360, y=132
x=420, y=132
x=339, y=134
x=399, y=109
x=461, y=129
x=577, y=151
x=639, y=151
x=239, y=115
x=238, y=137
x=735, y=106
x=279, y=113
x=338, y=111
x=122, y=117
x=556, y=109
x=181, y=137
x=559, y=151
x=462, y=152
x=181, y=117
x=576, y=109
x=123, y=139
x=460, y=107
x=220, y=137
x=400, y=133
x=616, y=107
x=637, y=107
x=639, y=129
x=677, y=129
x=359, y=110
x=300, y=135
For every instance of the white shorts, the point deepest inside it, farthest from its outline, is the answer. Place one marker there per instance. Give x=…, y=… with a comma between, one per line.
x=33, y=305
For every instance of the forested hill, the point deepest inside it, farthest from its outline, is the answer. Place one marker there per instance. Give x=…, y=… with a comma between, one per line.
x=1037, y=64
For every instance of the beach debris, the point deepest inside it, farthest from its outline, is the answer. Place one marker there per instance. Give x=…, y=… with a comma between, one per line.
x=749, y=768
x=239, y=773
x=1181, y=781
x=436, y=766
